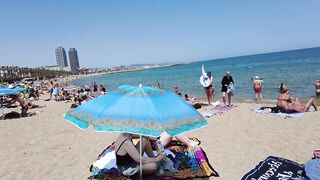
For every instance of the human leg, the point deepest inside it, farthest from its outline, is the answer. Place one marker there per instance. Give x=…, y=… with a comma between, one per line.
x=210, y=93
x=310, y=103
x=149, y=169
x=206, y=89
x=184, y=139
x=146, y=147
x=165, y=138
x=224, y=97
x=256, y=96
x=229, y=98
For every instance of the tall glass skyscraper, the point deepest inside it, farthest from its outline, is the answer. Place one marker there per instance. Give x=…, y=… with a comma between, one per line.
x=74, y=61
x=61, y=57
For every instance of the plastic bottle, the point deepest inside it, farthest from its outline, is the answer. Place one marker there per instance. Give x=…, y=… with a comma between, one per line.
x=160, y=146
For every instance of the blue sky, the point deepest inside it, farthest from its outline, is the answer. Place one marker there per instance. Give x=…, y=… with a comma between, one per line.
x=109, y=33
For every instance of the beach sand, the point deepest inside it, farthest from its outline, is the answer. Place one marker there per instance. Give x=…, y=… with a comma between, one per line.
x=45, y=146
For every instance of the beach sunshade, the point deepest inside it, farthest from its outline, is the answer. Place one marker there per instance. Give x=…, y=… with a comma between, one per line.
x=20, y=89
x=7, y=91
x=137, y=110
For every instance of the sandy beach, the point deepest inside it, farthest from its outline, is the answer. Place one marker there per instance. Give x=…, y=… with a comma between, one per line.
x=45, y=146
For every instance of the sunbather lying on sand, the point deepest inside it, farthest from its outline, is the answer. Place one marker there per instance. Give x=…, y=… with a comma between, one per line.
x=25, y=104
x=287, y=103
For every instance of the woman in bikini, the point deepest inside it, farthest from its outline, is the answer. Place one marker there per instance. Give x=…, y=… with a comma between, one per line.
x=288, y=103
x=128, y=156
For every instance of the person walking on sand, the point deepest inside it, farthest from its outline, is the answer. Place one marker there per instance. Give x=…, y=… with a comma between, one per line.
x=206, y=80
x=316, y=83
x=226, y=80
x=257, y=87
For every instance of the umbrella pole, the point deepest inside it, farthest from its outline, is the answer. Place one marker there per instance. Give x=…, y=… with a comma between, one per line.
x=140, y=157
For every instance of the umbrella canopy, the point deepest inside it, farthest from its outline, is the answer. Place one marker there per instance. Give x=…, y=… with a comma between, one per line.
x=138, y=110
x=7, y=91
x=20, y=89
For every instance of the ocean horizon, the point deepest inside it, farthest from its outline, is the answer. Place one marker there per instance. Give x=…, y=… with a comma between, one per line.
x=297, y=69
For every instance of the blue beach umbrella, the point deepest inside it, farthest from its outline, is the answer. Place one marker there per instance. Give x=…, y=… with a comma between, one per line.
x=20, y=89
x=137, y=110
x=5, y=92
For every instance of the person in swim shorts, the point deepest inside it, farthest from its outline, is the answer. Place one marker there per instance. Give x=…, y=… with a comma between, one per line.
x=257, y=87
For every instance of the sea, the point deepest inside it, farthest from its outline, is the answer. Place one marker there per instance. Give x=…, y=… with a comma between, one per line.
x=297, y=69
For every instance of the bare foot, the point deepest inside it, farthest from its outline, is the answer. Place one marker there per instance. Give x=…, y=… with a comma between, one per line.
x=193, y=144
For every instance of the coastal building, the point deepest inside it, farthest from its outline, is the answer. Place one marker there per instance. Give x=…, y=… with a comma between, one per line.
x=57, y=68
x=74, y=61
x=61, y=57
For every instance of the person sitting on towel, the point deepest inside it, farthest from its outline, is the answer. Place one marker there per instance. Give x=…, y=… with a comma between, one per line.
x=128, y=156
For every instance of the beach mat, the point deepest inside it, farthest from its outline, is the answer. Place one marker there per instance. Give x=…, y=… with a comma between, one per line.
x=189, y=163
x=276, y=168
x=210, y=114
x=290, y=115
x=224, y=108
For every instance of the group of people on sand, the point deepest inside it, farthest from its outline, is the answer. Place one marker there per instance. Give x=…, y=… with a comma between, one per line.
x=227, y=89
x=128, y=154
x=56, y=90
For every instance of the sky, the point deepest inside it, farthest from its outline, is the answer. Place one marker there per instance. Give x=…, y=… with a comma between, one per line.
x=108, y=33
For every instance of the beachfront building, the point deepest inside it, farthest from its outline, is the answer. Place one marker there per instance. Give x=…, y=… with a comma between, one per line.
x=74, y=61
x=61, y=57
x=57, y=68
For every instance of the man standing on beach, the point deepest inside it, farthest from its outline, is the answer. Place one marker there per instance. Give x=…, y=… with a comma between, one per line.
x=226, y=80
x=257, y=87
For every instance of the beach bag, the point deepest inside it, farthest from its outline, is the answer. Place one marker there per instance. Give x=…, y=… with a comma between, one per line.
x=197, y=106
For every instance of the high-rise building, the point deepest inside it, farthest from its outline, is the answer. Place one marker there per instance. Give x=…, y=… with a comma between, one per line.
x=74, y=61
x=61, y=57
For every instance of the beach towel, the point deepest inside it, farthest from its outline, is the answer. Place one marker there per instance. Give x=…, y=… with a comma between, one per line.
x=276, y=168
x=224, y=108
x=188, y=162
x=290, y=115
x=211, y=114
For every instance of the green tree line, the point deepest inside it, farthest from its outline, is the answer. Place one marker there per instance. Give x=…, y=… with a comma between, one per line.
x=14, y=73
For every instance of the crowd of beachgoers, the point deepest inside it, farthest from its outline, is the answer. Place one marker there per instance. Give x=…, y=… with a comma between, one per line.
x=60, y=89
